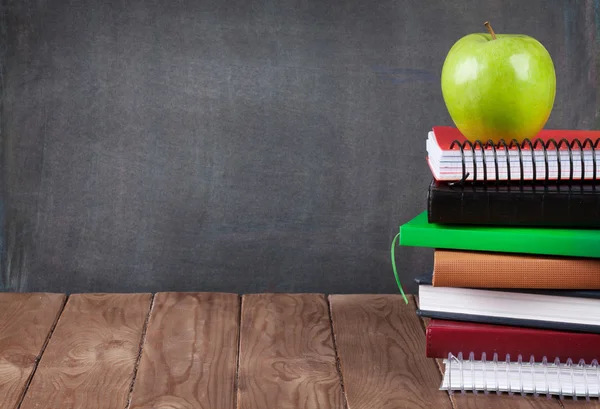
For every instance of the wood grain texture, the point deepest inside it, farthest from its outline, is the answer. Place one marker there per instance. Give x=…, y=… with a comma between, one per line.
x=26, y=321
x=89, y=361
x=287, y=358
x=381, y=347
x=189, y=358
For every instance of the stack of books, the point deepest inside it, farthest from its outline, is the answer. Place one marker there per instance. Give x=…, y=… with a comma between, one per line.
x=514, y=296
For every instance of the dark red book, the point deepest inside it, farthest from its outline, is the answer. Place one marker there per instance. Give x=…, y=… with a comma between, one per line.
x=444, y=337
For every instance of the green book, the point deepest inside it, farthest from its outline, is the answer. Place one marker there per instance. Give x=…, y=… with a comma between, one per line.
x=548, y=241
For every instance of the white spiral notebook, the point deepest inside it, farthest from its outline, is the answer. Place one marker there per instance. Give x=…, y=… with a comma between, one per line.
x=552, y=155
x=525, y=377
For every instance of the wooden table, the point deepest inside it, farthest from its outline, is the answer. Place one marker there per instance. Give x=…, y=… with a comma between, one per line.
x=223, y=351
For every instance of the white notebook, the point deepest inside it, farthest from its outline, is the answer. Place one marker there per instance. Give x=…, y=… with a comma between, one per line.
x=513, y=163
x=524, y=377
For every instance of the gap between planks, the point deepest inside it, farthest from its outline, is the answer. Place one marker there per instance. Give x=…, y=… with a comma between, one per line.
x=335, y=350
x=236, y=380
x=39, y=357
x=380, y=343
x=454, y=404
x=189, y=355
x=140, y=350
x=143, y=340
x=51, y=333
x=93, y=348
x=287, y=358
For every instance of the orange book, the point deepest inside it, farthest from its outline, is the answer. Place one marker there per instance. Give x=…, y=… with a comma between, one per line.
x=477, y=269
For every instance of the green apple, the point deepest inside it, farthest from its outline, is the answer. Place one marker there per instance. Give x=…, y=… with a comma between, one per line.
x=498, y=86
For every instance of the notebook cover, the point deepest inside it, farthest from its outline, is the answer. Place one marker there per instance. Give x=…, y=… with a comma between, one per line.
x=445, y=135
x=475, y=269
x=427, y=279
x=446, y=164
x=555, y=205
x=549, y=241
x=445, y=337
x=515, y=322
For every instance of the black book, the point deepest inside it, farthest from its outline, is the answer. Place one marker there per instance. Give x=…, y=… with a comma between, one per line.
x=567, y=205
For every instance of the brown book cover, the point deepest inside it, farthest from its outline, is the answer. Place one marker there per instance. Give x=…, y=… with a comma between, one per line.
x=478, y=269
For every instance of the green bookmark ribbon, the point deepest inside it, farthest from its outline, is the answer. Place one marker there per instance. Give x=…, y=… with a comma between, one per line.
x=394, y=267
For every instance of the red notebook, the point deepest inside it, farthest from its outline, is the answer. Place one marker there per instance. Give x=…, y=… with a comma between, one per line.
x=454, y=337
x=551, y=155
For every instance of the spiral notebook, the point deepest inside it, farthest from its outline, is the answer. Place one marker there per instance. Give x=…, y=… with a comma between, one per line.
x=562, y=155
x=521, y=375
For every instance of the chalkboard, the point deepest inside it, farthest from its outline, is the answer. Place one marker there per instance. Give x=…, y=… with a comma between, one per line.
x=239, y=146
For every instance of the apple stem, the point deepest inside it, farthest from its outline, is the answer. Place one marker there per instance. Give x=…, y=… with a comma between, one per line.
x=490, y=29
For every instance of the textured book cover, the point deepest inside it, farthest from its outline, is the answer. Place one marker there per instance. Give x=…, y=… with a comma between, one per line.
x=575, y=205
x=444, y=337
x=457, y=268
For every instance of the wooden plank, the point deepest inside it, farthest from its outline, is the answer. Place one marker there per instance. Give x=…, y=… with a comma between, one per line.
x=287, y=358
x=90, y=360
x=189, y=358
x=381, y=347
x=26, y=320
x=470, y=400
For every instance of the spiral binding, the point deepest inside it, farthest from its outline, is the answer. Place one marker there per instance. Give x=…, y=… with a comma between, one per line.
x=553, y=374
x=547, y=146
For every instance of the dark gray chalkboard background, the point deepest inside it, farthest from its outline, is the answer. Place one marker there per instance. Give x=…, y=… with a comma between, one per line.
x=153, y=145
